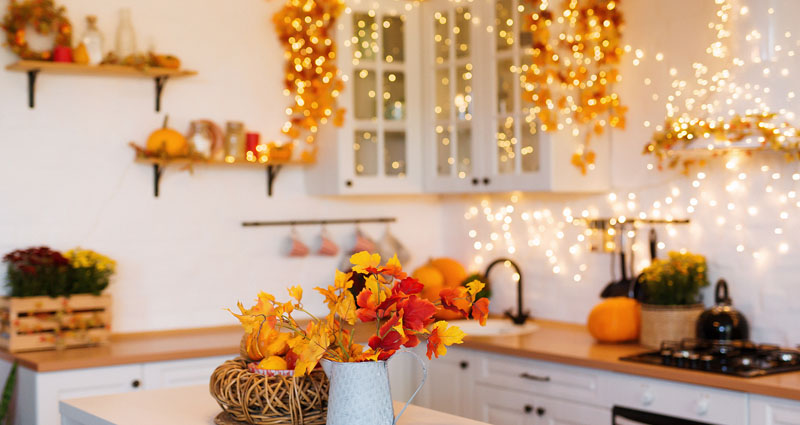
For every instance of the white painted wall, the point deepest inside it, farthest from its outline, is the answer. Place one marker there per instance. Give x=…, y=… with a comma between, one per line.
x=763, y=288
x=67, y=176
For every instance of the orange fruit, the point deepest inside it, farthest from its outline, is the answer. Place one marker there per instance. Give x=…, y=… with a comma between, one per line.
x=432, y=280
x=452, y=271
x=615, y=319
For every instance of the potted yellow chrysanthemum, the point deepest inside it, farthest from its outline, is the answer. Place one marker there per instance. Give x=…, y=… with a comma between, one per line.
x=672, y=300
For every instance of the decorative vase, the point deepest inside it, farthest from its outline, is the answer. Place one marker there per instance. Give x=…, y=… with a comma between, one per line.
x=668, y=323
x=126, y=37
x=359, y=392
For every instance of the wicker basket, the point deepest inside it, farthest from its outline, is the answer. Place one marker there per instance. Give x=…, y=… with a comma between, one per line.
x=668, y=323
x=276, y=400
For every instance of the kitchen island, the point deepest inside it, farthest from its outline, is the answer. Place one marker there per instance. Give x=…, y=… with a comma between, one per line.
x=192, y=406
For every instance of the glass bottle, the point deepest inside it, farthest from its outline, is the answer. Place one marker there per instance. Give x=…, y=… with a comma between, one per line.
x=126, y=38
x=93, y=40
x=234, y=141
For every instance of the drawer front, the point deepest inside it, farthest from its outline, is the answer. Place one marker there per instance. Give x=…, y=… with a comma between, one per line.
x=684, y=401
x=773, y=411
x=504, y=407
x=544, y=378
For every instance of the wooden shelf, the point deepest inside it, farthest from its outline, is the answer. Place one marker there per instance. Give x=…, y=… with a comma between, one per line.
x=34, y=68
x=158, y=164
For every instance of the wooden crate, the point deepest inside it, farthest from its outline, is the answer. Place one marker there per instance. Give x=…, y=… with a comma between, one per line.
x=44, y=323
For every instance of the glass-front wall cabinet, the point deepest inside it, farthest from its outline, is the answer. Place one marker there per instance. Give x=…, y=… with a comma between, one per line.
x=378, y=144
x=435, y=102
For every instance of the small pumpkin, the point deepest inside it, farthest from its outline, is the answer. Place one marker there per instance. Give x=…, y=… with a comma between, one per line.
x=166, y=141
x=615, y=319
x=452, y=271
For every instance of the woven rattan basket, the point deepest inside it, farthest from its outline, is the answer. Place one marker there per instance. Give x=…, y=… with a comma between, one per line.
x=255, y=399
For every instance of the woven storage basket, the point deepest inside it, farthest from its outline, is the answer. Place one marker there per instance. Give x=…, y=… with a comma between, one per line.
x=277, y=400
x=668, y=323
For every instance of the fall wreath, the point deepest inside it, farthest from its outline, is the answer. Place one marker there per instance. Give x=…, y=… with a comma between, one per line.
x=45, y=17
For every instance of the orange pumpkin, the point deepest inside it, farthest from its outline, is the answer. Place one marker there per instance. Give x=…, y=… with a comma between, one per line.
x=615, y=319
x=432, y=280
x=452, y=271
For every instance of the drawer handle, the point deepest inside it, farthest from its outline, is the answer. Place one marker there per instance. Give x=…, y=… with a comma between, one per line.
x=464, y=364
x=528, y=408
x=526, y=375
x=136, y=383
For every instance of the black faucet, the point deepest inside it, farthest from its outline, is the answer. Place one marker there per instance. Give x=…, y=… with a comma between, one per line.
x=520, y=317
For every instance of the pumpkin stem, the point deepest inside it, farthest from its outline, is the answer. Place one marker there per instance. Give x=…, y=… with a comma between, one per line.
x=166, y=119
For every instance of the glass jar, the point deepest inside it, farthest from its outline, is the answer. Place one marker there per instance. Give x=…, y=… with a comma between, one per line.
x=234, y=141
x=93, y=40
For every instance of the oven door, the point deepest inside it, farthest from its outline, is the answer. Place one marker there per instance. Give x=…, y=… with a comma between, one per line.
x=625, y=416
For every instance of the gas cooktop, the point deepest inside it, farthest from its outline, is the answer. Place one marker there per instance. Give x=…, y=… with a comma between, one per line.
x=738, y=358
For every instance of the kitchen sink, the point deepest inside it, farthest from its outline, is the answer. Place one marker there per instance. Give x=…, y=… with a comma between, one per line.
x=494, y=327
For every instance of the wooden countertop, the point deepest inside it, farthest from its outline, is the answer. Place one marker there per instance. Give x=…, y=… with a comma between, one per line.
x=195, y=406
x=554, y=341
x=571, y=344
x=136, y=348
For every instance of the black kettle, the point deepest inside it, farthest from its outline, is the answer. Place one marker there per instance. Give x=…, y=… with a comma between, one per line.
x=722, y=322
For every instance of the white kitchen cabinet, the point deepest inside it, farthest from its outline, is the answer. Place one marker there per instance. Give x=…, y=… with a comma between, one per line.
x=180, y=373
x=479, y=133
x=693, y=402
x=773, y=411
x=377, y=150
x=450, y=385
x=38, y=393
x=505, y=407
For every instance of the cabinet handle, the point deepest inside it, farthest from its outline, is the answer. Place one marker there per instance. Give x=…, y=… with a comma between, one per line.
x=475, y=181
x=136, y=383
x=540, y=411
x=526, y=375
x=486, y=180
x=528, y=408
x=464, y=364
x=348, y=183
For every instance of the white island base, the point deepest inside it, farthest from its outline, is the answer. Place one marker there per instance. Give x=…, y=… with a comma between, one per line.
x=192, y=406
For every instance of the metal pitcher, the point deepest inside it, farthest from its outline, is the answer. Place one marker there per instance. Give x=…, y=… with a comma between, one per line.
x=359, y=393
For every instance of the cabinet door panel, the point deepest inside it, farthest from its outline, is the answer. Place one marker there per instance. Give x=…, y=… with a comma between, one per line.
x=772, y=411
x=54, y=386
x=501, y=407
x=450, y=382
x=181, y=373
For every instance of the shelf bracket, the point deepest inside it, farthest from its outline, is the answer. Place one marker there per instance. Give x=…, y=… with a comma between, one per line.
x=161, y=80
x=158, y=170
x=32, y=74
x=272, y=174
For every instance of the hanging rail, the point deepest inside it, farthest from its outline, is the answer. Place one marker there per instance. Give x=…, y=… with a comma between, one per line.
x=320, y=222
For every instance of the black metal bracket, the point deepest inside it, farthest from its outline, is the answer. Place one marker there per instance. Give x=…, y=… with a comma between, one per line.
x=272, y=174
x=32, y=74
x=158, y=170
x=161, y=81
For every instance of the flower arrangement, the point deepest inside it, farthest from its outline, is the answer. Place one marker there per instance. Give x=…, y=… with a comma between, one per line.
x=43, y=271
x=91, y=271
x=390, y=299
x=675, y=280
